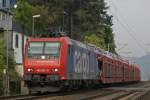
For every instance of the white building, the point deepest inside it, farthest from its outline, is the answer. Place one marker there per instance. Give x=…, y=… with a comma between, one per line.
x=17, y=48
x=5, y=14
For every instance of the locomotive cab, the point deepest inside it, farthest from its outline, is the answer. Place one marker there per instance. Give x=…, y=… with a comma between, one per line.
x=42, y=62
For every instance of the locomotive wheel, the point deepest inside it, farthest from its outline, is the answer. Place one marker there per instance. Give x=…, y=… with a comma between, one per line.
x=30, y=92
x=39, y=92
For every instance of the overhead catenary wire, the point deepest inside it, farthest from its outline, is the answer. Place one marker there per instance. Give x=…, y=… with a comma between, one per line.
x=130, y=27
x=140, y=44
x=125, y=26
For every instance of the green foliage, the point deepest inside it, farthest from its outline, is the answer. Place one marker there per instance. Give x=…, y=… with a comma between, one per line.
x=2, y=62
x=11, y=64
x=46, y=18
x=81, y=19
x=23, y=13
x=11, y=70
x=15, y=87
x=93, y=39
x=2, y=66
x=1, y=87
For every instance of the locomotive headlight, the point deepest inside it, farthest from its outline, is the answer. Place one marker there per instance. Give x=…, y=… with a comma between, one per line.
x=56, y=70
x=42, y=57
x=29, y=69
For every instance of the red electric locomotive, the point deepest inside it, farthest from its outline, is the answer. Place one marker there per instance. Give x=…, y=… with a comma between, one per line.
x=55, y=63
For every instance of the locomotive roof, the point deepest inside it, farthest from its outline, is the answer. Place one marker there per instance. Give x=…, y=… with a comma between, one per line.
x=89, y=47
x=80, y=44
x=97, y=50
x=43, y=39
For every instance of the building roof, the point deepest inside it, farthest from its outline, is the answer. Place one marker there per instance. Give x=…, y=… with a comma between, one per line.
x=6, y=11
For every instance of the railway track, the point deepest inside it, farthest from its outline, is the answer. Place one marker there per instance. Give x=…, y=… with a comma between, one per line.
x=119, y=95
x=91, y=97
x=126, y=94
x=99, y=95
x=28, y=97
x=75, y=95
x=92, y=94
x=15, y=96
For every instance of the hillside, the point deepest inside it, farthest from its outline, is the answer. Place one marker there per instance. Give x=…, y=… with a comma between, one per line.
x=144, y=63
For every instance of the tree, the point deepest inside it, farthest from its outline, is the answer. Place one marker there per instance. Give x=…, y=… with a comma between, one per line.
x=48, y=19
x=2, y=61
x=78, y=18
x=93, y=39
x=11, y=68
x=23, y=14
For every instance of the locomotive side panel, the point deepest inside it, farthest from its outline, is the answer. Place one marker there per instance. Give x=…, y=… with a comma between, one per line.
x=81, y=63
x=94, y=68
x=69, y=61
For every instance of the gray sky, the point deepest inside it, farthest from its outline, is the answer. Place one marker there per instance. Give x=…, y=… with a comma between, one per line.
x=134, y=15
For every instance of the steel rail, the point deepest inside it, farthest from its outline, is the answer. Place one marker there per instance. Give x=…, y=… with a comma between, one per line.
x=27, y=97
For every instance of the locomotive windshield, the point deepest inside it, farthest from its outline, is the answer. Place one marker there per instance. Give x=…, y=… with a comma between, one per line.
x=46, y=49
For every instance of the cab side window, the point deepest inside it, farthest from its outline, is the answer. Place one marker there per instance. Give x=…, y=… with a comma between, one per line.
x=16, y=41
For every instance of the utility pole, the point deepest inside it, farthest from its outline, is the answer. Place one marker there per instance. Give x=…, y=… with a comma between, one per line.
x=108, y=47
x=6, y=89
x=5, y=71
x=108, y=44
x=33, y=17
x=148, y=67
x=33, y=27
x=63, y=22
x=122, y=47
x=70, y=24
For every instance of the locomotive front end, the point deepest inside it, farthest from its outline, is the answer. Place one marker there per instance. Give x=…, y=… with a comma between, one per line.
x=42, y=64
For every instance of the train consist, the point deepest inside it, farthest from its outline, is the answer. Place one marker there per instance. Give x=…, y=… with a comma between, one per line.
x=52, y=64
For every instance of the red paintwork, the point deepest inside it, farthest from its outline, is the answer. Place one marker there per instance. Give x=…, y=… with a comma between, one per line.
x=117, y=66
x=46, y=66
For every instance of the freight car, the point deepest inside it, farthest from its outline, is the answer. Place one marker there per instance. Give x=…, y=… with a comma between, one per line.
x=57, y=63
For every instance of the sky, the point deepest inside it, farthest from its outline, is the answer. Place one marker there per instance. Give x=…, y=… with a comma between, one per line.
x=131, y=26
